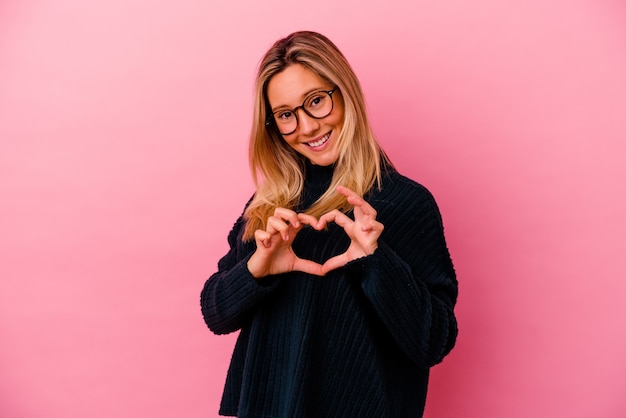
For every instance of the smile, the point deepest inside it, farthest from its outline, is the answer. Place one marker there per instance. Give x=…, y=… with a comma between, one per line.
x=319, y=142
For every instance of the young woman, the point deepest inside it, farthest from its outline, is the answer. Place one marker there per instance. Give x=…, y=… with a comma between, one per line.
x=338, y=275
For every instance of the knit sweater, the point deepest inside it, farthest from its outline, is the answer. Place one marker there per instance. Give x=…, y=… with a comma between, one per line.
x=358, y=342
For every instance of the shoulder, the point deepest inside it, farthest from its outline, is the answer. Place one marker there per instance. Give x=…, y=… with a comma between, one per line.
x=405, y=203
x=410, y=215
x=235, y=236
x=398, y=189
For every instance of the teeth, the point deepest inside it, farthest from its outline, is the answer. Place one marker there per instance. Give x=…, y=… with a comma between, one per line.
x=320, y=142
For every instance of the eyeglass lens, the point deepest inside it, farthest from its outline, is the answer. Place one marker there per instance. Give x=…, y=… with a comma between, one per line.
x=318, y=105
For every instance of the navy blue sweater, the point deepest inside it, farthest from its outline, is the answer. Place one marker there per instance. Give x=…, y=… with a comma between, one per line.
x=357, y=342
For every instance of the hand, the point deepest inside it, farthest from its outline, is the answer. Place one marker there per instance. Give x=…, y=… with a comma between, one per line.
x=363, y=231
x=274, y=254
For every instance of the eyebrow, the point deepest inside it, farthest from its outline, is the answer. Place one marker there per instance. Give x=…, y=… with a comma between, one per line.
x=304, y=96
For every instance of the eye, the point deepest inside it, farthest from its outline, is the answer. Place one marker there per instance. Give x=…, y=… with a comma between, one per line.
x=284, y=115
x=314, y=101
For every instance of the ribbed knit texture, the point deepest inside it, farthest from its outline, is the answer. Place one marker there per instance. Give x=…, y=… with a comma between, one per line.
x=358, y=342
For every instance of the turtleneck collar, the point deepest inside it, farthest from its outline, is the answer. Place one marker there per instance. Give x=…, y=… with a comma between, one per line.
x=315, y=173
x=317, y=179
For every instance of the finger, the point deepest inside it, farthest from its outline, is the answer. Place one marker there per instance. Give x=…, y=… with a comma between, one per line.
x=357, y=201
x=367, y=226
x=276, y=225
x=362, y=207
x=288, y=216
x=262, y=238
x=337, y=217
x=352, y=196
x=309, y=220
x=308, y=266
x=335, y=263
x=346, y=192
x=372, y=225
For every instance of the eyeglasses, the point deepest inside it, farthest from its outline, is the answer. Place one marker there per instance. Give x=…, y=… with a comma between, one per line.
x=317, y=105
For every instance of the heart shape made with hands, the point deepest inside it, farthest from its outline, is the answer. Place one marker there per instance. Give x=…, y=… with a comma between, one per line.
x=363, y=239
x=275, y=255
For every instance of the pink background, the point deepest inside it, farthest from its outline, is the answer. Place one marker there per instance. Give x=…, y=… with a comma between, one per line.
x=123, y=130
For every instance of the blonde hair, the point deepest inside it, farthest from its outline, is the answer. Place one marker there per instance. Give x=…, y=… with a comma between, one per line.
x=278, y=170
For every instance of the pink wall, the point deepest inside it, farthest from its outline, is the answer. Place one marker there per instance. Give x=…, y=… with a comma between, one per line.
x=123, y=128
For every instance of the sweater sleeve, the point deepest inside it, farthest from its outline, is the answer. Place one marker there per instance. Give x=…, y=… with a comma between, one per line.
x=231, y=294
x=410, y=280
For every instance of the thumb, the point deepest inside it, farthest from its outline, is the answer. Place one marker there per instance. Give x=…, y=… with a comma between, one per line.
x=335, y=263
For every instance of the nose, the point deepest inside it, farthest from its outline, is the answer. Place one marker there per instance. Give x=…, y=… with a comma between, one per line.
x=306, y=123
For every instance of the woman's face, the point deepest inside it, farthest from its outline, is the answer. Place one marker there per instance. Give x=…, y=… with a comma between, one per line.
x=316, y=139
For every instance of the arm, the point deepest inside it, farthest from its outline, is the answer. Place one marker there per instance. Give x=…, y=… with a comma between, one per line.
x=408, y=276
x=410, y=280
x=417, y=309
x=249, y=272
x=230, y=295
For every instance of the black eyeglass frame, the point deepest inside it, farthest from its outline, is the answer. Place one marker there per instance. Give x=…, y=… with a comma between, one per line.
x=271, y=121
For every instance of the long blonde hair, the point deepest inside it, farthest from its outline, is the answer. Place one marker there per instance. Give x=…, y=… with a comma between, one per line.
x=277, y=170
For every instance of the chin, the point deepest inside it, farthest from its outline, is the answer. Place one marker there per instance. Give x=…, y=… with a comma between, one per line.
x=323, y=161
